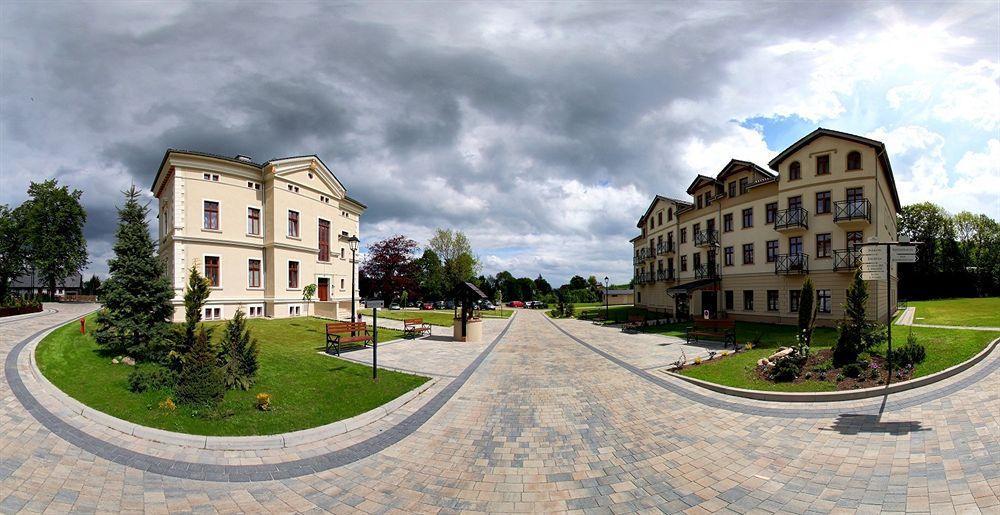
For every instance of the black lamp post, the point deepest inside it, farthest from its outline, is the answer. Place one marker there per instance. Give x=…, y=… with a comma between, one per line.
x=353, y=242
x=606, y=284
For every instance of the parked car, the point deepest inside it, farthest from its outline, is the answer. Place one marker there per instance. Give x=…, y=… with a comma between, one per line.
x=539, y=305
x=449, y=304
x=487, y=305
x=394, y=306
x=439, y=304
x=427, y=305
x=515, y=304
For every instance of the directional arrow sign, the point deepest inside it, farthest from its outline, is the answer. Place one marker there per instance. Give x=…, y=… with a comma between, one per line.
x=905, y=258
x=904, y=251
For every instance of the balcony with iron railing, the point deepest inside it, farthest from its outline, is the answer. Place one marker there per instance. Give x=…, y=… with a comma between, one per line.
x=708, y=238
x=790, y=219
x=665, y=275
x=707, y=271
x=791, y=264
x=858, y=210
x=846, y=260
x=665, y=247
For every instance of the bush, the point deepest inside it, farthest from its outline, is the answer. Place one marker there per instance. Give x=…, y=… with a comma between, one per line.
x=786, y=369
x=825, y=366
x=910, y=354
x=201, y=383
x=144, y=378
x=852, y=370
x=238, y=354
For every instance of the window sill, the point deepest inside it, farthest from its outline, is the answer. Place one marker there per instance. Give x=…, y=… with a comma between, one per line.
x=293, y=289
x=254, y=235
x=296, y=238
x=854, y=170
x=255, y=288
x=205, y=229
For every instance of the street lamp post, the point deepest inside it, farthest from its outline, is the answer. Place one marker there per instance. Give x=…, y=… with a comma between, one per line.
x=353, y=242
x=606, y=283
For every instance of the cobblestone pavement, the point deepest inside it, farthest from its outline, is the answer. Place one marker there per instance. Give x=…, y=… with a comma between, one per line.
x=553, y=418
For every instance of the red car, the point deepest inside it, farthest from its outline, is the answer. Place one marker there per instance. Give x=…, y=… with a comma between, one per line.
x=427, y=305
x=515, y=304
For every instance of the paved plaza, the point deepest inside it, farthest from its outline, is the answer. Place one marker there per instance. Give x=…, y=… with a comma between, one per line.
x=542, y=416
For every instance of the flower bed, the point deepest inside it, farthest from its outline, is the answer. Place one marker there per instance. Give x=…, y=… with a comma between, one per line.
x=20, y=310
x=819, y=367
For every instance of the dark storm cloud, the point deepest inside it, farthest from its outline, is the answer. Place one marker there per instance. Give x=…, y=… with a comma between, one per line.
x=552, y=123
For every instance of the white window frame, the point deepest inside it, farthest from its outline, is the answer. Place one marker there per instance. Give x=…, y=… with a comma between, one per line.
x=287, y=230
x=203, y=263
x=251, y=307
x=219, y=202
x=209, y=310
x=294, y=310
x=249, y=259
x=260, y=209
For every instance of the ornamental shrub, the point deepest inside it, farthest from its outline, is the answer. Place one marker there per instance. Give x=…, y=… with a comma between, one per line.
x=857, y=333
x=786, y=369
x=912, y=353
x=238, y=354
x=852, y=370
x=201, y=382
x=151, y=377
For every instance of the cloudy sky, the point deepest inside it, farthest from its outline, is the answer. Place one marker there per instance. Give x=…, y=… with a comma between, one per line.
x=541, y=130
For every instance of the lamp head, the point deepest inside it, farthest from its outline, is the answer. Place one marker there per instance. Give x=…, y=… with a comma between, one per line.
x=353, y=242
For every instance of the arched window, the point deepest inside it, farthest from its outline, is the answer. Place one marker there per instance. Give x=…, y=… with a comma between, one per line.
x=854, y=160
x=794, y=171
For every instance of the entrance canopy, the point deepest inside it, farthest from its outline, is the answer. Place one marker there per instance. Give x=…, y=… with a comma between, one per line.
x=691, y=286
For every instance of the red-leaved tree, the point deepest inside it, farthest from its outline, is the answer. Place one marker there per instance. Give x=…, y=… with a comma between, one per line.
x=390, y=266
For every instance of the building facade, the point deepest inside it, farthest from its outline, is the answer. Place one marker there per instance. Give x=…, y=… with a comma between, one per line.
x=745, y=240
x=260, y=232
x=30, y=284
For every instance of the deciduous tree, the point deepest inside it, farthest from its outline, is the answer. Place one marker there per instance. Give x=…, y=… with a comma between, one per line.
x=13, y=247
x=390, y=266
x=54, y=220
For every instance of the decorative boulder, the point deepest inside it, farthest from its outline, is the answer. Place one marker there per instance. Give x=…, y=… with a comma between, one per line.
x=763, y=362
x=128, y=361
x=114, y=361
x=782, y=352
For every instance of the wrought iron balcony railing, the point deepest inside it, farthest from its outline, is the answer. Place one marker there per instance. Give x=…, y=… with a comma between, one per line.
x=852, y=210
x=791, y=264
x=706, y=238
x=795, y=218
x=663, y=248
x=707, y=271
x=846, y=260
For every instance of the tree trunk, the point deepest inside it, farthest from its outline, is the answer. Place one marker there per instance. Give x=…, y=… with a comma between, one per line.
x=52, y=289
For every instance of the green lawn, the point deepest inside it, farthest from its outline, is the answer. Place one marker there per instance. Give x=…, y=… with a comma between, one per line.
x=307, y=389
x=617, y=313
x=772, y=336
x=441, y=317
x=945, y=348
x=982, y=312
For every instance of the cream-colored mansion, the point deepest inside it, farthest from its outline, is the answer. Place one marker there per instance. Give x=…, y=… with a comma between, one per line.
x=747, y=237
x=259, y=232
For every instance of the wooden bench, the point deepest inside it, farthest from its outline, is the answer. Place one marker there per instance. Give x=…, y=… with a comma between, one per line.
x=413, y=327
x=634, y=323
x=339, y=333
x=720, y=330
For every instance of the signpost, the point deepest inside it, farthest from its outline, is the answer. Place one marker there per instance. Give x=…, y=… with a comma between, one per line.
x=374, y=304
x=875, y=267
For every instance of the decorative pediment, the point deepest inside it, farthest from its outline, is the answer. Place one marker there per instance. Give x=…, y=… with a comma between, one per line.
x=298, y=169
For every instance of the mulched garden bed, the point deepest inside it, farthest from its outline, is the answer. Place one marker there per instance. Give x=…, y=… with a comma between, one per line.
x=825, y=356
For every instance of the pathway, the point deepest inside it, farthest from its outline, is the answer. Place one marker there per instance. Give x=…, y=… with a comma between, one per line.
x=909, y=314
x=553, y=417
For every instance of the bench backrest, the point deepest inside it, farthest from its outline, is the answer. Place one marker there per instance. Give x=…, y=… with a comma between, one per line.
x=636, y=318
x=413, y=321
x=724, y=323
x=345, y=327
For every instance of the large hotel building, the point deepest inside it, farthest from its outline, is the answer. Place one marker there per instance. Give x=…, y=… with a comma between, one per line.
x=260, y=232
x=747, y=238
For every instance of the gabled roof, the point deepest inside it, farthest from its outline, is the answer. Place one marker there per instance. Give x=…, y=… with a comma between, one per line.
x=679, y=203
x=820, y=132
x=736, y=165
x=698, y=181
x=248, y=163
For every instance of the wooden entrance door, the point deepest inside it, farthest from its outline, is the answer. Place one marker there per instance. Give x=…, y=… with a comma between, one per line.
x=323, y=288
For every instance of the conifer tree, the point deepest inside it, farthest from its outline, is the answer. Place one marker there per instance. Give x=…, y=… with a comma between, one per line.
x=857, y=333
x=201, y=381
x=136, y=296
x=238, y=354
x=807, y=310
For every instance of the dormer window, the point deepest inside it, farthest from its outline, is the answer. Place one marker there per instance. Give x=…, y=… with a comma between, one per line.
x=732, y=189
x=794, y=171
x=854, y=160
x=698, y=200
x=744, y=182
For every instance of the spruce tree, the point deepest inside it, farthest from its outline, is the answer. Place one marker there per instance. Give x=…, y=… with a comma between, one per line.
x=201, y=381
x=857, y=333
x=238, y=354
x=136, y=296
x=197, y=292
